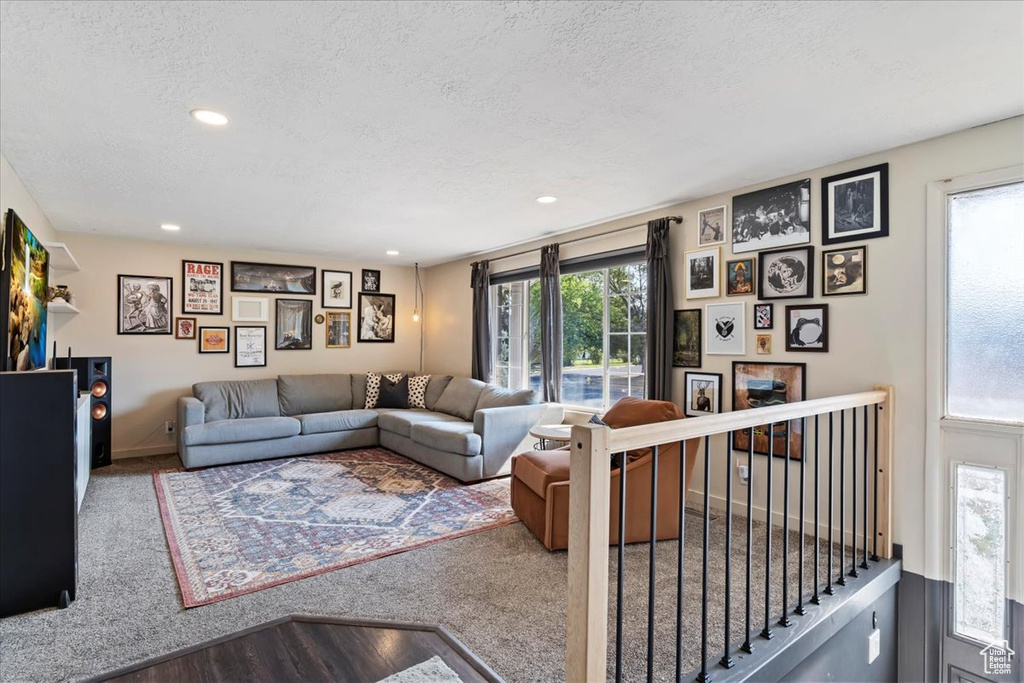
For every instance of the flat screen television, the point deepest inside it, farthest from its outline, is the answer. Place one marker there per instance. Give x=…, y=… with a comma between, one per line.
x=23, y=280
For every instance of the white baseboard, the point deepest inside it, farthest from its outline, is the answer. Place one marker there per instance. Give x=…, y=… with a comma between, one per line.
x=696, y=498
x=143, y=451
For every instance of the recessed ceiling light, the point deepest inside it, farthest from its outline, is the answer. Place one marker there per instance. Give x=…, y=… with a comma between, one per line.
x=391, y=252
x=212, y=118
x=547, y=199
x=170, y=227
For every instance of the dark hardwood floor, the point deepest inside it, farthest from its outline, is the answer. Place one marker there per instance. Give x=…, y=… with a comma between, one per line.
x=301, y=648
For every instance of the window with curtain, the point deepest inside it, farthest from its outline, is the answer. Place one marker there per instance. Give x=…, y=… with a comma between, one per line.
x=604, y=341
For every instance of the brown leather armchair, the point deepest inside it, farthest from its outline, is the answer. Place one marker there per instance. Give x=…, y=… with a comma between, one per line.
x=540, y=482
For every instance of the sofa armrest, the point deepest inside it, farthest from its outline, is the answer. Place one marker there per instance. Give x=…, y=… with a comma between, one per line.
x=505, y=431
x=191, y=411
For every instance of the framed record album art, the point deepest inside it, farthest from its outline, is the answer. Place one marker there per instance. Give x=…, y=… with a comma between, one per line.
x=786, y=273
x=844, y=271
x=807, y=328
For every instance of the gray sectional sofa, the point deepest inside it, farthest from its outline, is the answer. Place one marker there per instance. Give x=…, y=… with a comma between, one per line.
x=468, y=430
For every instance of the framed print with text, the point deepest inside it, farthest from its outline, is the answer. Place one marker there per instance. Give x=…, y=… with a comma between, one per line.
x=251, y=346
x=202, y=287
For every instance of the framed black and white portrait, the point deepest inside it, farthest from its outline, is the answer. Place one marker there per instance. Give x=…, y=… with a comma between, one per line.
x=855, y=205
x=701, y=273
x=293, y=325
x=376, y=317
x=774, y=217
x=371, y=281
x=703, y=393
x=711, y=226
x=807, y=327
x=336, y=290
x=725, y=329
x=144, y=304
x=786, y=273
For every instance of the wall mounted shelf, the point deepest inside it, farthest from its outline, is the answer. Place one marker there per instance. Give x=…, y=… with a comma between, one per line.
x=61, y=306
x=61, y=259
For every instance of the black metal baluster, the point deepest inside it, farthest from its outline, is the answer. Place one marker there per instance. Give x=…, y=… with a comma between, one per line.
x=874, y=551
x=831, y=462
x=853, y=448
x=651, y=567
x=803, y=505
x=784, y=619
x=864, y=563
x=726, y=660
x=816, y=599
x=679, y=567
x=766, y=633
x=747, y=647
x=622, y=573
x=703, y=677
x=841, y=579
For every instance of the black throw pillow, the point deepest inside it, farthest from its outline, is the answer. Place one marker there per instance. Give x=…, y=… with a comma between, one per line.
x=394, y=394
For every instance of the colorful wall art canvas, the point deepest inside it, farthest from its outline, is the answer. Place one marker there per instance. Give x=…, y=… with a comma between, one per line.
x=23, y=297
x=759, y=385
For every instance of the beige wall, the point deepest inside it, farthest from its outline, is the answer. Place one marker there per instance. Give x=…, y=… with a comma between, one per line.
x=151, y=372
x=14, y=195
x=878, y=338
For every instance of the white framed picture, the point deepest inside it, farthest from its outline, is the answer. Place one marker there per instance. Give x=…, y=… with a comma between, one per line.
x=725, y=327
x=701, y=273
x=250, y=309
x=711, y=226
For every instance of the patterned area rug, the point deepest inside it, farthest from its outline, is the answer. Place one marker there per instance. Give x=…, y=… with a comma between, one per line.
x=237, y=529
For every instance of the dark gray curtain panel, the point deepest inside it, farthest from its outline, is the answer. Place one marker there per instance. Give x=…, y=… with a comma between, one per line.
x=550, y=324
x=481, y=282
x=659, y=311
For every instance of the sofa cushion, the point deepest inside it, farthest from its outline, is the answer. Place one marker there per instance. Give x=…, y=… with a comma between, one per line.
x=359, y=386
x=239, y=398
x=460, y=397
x=498, y=397
x=304, y=394
x=450, y=437
x=337, y=421
x=539, y=469
x=631, y=411
x=435, y=387
x=239, y=430
x=401, y=421
x=394, y=393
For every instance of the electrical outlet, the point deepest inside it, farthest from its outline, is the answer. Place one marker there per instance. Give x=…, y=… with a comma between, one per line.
x=744, y=472
x=169, y=427
x=874, y=645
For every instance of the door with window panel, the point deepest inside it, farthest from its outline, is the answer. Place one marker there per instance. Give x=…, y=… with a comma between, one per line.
x=976, y=432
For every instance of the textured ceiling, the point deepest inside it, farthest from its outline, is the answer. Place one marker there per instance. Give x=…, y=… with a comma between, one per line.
x=431, y=127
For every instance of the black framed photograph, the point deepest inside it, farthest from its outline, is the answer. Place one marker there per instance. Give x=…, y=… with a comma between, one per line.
x=844, y=271
x=376, y=317
x=339, y=329
x=711, y=226
x=762, y=384
x=807, y=327
x=786, y=273
x=855, y=205
x=144, y=304
x=703, y=393
x=214, y=340
x=272, y=278
x=687, y=339
x=293, y=325
x=701, y=272
x=202, y=287
x=739, y=277
x=336, y=289
x=774, y=217
x=371, y=281
x=251, y=346
x=764, y=316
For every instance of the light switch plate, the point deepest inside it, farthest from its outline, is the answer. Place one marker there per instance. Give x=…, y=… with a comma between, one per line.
x=874, y=645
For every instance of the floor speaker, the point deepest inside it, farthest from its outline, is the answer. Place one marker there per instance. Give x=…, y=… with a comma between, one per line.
x=94, y=376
